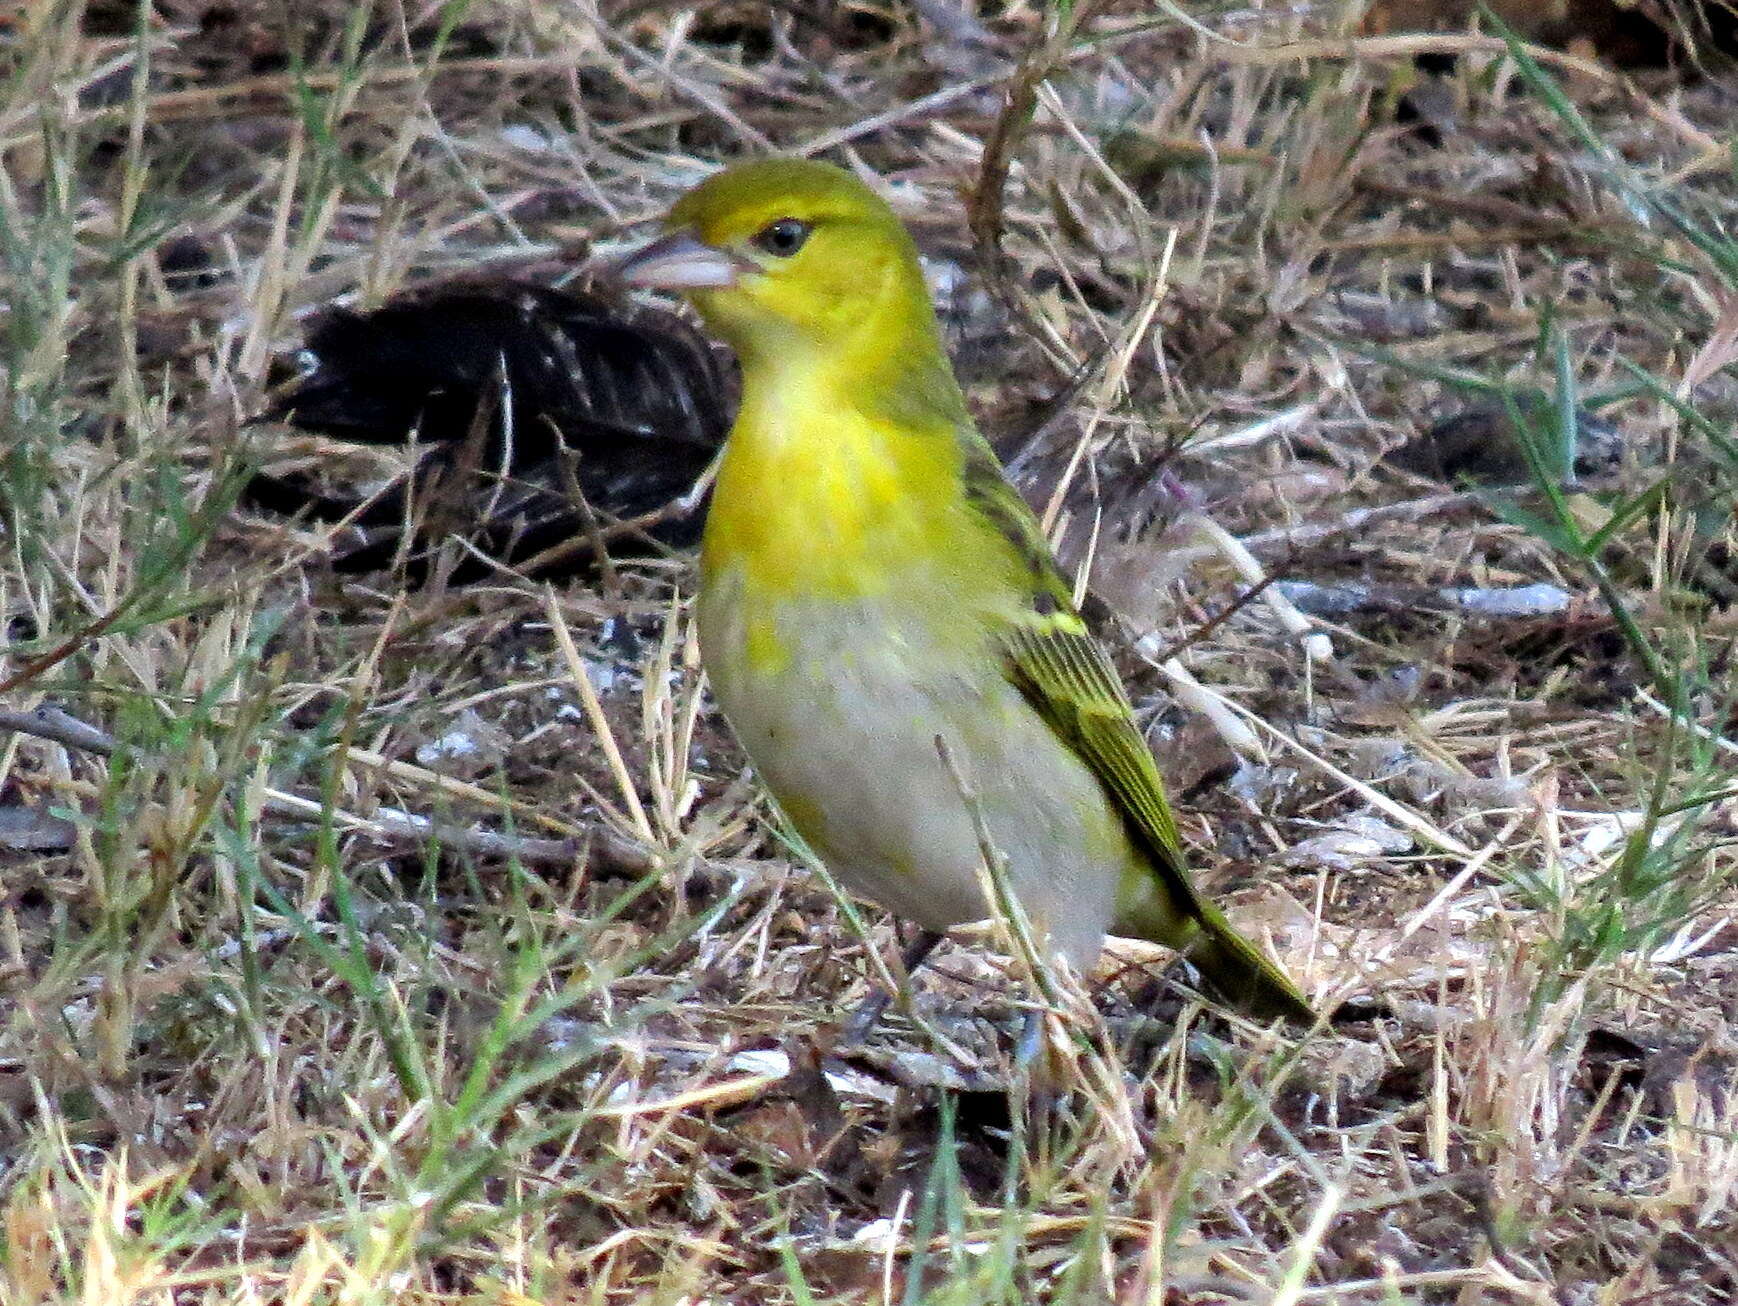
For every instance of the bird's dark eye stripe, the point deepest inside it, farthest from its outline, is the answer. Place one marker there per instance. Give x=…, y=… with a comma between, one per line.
x=783, y=237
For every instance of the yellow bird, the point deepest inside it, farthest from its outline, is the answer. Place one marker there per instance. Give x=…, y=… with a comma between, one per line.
x=870, y=582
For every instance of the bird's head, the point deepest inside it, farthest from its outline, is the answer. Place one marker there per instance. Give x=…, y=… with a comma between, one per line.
x=789, y=257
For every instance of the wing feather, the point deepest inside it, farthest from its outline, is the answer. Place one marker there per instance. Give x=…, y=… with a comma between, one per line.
x=1068, y=678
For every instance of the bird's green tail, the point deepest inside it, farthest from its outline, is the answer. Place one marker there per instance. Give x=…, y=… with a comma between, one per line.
x=1240, y=974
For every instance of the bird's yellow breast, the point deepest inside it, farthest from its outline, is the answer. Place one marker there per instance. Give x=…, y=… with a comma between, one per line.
x=819, y=502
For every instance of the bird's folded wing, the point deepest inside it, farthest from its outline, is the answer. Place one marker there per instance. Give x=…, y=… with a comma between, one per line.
x=1066, y=676
x=1068, y=679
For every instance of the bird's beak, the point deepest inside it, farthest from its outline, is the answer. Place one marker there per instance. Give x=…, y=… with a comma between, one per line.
x=682, y=261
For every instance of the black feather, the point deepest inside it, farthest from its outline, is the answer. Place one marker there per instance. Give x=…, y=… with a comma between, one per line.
x=498, y=379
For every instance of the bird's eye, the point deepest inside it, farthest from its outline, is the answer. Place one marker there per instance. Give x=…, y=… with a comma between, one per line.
x=782, y=238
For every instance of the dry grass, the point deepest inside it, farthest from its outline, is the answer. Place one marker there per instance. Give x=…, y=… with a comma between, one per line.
x=263, y=1038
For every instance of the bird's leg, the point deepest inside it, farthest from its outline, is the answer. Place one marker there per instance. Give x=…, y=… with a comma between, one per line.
x=870, y=1010
x=1031, y=1040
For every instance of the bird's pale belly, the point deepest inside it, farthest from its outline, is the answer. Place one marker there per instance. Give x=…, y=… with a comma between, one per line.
x=840, y=712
